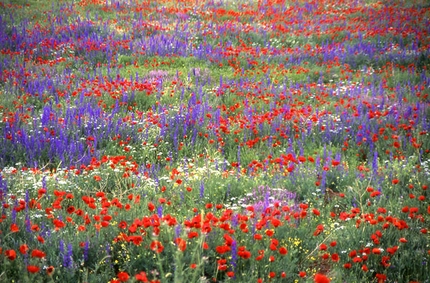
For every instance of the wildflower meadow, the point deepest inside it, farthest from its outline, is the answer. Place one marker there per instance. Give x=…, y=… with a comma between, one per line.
x=214, y=141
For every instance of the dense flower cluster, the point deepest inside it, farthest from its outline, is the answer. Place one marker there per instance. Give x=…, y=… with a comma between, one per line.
x=214, y=141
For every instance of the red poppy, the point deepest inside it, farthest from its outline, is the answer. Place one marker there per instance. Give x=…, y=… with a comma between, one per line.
x=157, y=246
x=192, y=234
x=323, y=247
x=381, y=210
x=10, y=254
x=243, y=253
x=181, y=243
x=335, y=257
x=123, y=276
x=222, y=249
x=316, y=212
x=14, y=228
x=41, y=239
x=37, y=253
x=321, y=278
x=381, y=277
x=375, y=194
x=403, y=240
x=50, y=270
x=412, y=211
x=100, y=194
x=122, y=225
x=104, y=224
x=318, y=230
x=151, y=206
x=23, y=249
x=392, y=250
x=58, y=224
x=33, y=268
x=283, y=250
x=222, y=267
x=141, y=277
x=258, y=237
x=347, y=265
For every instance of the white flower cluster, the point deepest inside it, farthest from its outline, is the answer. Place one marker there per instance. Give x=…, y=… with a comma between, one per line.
x=425, y=165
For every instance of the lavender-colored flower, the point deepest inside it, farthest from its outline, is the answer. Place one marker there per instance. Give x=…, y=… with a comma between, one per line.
x=202, y=190
x=13, y=214
x=233, y=260
x=108, y=249
x=323, y=184
x=181, y=194
x=61, y=247
x=266, y=202
x=3, y=188
x=68, y=258
x=375, y=163
x=27, y=200
x=235, y=221
x=86, y=249
x=27, y=222
x=160, y=211
x=265, y=197
x=156, y=75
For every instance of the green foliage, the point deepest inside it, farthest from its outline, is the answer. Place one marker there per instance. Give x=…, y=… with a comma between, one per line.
x=260, y=159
